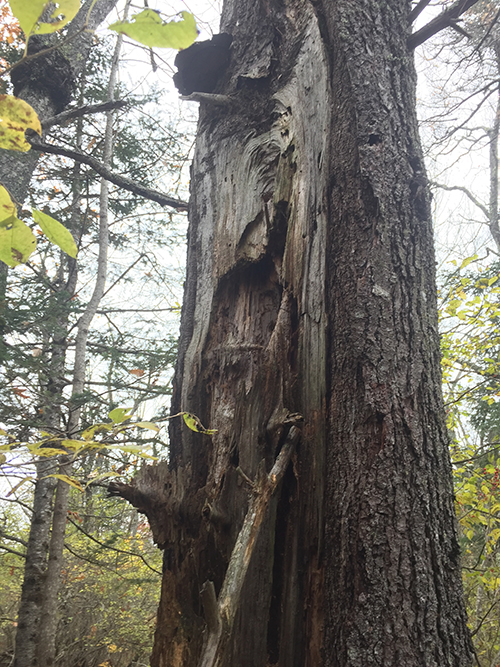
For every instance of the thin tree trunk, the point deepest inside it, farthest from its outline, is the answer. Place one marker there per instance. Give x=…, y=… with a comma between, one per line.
x=30, y=608
x=46, y=649
x=37, y=573
x=493, y=135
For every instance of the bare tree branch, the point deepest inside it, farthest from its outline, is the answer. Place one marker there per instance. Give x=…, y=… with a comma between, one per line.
x=70, y=114
x=444, y=20
x=418, y=9
x=12, y=551
x=466, y=192
x=13, y=539
x=111, y=176
x=111, y=548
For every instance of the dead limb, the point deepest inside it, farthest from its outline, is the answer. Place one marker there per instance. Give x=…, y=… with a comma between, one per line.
x=220, y=614
x=444, y=20
x=111, y=176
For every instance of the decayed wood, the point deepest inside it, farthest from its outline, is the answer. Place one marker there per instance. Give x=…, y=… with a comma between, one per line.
x=253, y=345
x=219, y=631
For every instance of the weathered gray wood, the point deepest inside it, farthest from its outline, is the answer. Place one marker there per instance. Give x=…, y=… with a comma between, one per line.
x=229, y=602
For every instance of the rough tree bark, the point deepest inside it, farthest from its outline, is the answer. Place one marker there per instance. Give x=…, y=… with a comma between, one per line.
x=310, y=289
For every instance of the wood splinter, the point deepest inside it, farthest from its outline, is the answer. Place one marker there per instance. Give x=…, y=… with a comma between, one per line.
x=220, y=614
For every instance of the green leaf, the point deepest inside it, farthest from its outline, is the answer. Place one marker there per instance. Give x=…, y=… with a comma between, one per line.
x=17, y=241
x=16, y=116
x=69, y=480
x=195, y=424
x=56, y=233
x=150, y=425
x=148, y=29
x=7, y=206
x=29, y=13
x=119, y=415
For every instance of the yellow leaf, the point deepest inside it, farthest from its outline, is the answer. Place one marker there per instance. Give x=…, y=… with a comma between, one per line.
x=150, y=425
x=16, y=116
x=89, y=433
x=467, y=261
x=17, y=241
x=17, y=486
x=131, y=449
x=46, y=451
x=195, y=424
x=73, y=445
x=69, y=480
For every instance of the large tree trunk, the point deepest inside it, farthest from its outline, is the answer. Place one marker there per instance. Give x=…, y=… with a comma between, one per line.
x=310, y=289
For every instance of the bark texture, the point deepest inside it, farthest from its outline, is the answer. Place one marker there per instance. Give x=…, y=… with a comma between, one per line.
x=392, y=558
x=310, y=289
x=30, y=608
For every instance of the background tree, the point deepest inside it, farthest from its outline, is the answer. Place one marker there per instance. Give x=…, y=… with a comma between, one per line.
x=461, y=132
x=110, y=591
x=48, y=338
